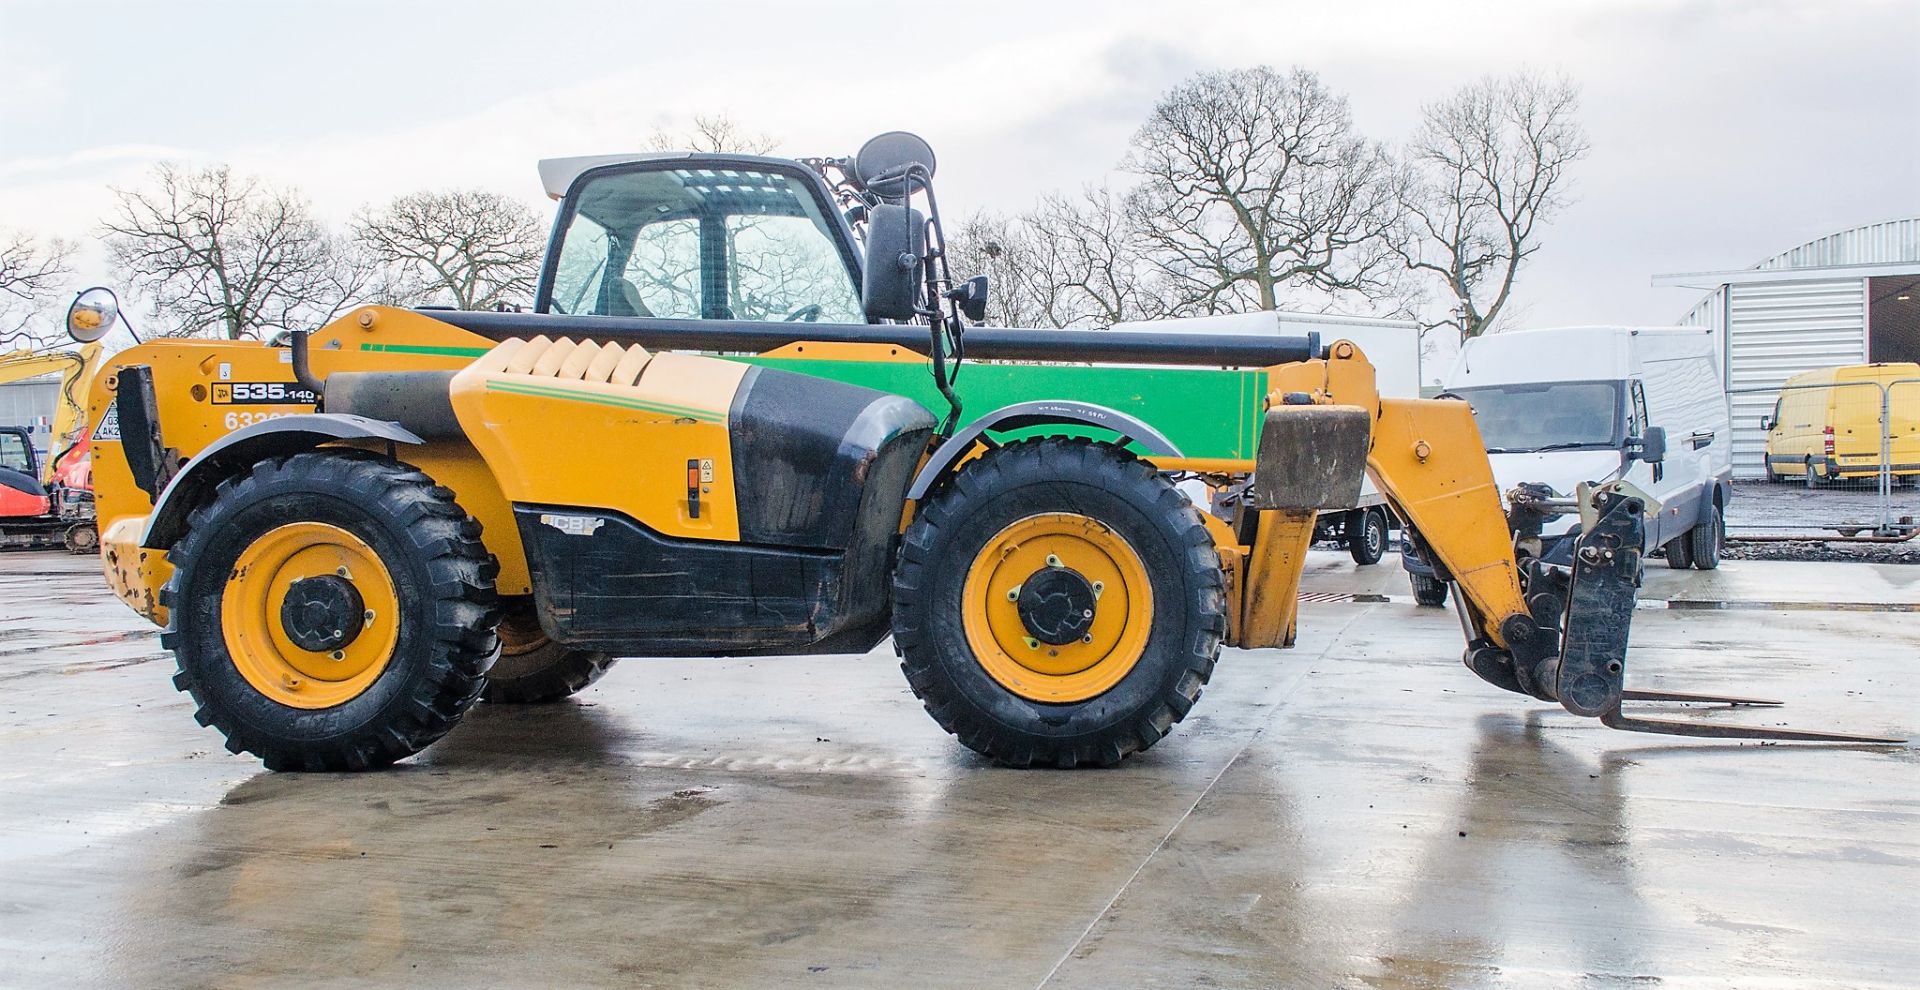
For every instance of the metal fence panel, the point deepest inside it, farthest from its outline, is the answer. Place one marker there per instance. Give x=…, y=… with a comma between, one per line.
x=1852, y=448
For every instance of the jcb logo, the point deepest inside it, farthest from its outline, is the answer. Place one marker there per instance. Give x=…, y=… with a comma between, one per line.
x=573, y=525
x=262, y=394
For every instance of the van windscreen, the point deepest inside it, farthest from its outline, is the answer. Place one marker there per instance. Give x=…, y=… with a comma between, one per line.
x=1535, y=416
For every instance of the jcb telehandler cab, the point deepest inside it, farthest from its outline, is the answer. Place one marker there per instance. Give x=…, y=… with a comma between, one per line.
x=352, y=535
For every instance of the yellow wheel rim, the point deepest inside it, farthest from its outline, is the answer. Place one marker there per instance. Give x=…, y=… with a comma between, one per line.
x=259, y=644
x=1064, y=672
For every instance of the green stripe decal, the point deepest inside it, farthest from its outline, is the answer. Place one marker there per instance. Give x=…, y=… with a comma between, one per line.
x=599, y=399
x=423, y=349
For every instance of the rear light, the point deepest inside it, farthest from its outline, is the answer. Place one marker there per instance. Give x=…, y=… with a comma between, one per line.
x=1829, y=441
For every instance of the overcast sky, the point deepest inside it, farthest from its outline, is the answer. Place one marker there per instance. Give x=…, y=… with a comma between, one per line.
x=1723, y=130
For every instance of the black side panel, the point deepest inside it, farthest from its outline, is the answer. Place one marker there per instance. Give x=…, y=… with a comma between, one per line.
x=605, y=582
x=805, y=451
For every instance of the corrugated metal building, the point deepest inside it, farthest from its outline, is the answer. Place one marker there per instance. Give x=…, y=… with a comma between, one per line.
x=1847, y=298
x=30, y=403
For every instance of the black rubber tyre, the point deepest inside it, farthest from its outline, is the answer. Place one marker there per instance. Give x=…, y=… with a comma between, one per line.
x=1366, y=535
x=442, y=579
x=534, y=670
x=1680, y=551
x=1813, y=476
x=1428, y=591
x=1705, y=540
x=1132, y=500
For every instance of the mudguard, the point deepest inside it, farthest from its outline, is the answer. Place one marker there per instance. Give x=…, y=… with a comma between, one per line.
x=1040, y=413
x=246, y=446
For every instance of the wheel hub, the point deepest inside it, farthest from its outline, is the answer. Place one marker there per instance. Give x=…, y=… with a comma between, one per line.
x=322, y=613
x=1056, y=605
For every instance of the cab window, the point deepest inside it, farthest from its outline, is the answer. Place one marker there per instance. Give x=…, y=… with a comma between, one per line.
x=14, y=454
x=702, y=243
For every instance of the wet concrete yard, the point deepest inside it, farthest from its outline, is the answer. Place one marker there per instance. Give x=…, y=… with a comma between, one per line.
x=1356, y=812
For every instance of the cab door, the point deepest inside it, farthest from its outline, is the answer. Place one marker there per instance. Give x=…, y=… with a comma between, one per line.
x=1651, y=478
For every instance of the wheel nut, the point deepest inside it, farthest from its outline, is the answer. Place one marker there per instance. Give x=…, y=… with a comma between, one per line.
x=1088, y=638
x=1032, y=644
x=1053, y=561
x=338, y=654
x=341, y=571
x=368, y=616
x=1013, y=593
x=1098, y=587
x=1087, y=614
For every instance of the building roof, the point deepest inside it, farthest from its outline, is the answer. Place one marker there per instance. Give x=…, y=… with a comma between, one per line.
x=1890, y=247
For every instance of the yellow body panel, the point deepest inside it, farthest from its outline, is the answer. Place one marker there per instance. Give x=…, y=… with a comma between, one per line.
x=194, y=386
x=556, y=439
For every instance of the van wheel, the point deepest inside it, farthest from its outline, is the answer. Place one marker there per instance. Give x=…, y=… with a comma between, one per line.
x=1813, y=476
x=1431, y=592
x=1680, y=551
x=1705, y=540
x=1366, y=535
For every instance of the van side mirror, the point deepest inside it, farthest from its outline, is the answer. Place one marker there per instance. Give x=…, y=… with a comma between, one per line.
x=1766, y=424
x=896, y=256
x=1650, y=446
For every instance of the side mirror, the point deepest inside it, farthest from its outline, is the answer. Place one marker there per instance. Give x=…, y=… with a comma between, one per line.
x=896, y=256
x=92, y=314
x=1766, y=424
x=1651, y=445
x=971, y=295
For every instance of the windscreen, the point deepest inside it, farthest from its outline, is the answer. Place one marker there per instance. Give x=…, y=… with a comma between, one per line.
x=702, y=243
x=1532, y=417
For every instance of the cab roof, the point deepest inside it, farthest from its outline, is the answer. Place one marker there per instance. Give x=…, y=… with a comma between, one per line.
x=557, y=174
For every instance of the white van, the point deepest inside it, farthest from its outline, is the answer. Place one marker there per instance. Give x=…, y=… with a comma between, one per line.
x=1391, y=346
x=1570, y=404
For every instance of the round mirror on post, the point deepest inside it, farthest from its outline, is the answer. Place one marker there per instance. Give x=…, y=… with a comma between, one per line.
x=883, y=162
x=92, y=314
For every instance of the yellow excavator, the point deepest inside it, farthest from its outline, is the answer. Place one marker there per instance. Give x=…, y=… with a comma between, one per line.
x=737, y=422
x=49, y=503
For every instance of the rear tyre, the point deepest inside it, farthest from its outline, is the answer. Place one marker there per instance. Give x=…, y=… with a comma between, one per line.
x=1813, y=476
x=1428, y=591
x=1366, y=535
x=1680, y=551
x=332, y=610
x=1058, y=603
x=1706, y=539
x=535, y=670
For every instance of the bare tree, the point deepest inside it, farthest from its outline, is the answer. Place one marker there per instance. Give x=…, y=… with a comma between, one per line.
x=1002, y=249
x=1098, y=266
x=219, y=254
x=1256, y=184
x=1486, y=168
x=714, y=133
x=30, y=271
x=1068, y=262
x=467, y=248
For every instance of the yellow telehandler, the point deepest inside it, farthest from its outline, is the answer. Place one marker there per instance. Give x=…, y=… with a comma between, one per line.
x=717, y=434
